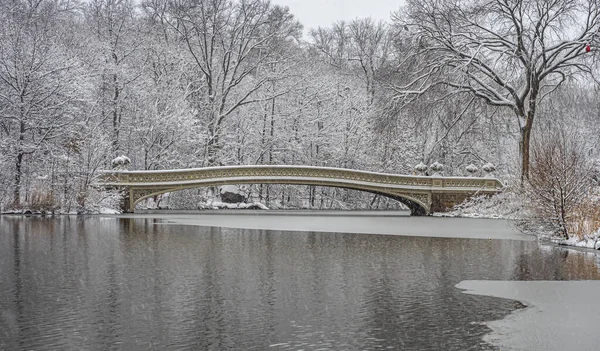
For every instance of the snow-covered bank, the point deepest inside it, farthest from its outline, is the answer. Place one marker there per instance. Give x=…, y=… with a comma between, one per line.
x=561, y=315
x=588, y=241
x=363, y=224
x=96, y=211
x=503, y=205
x=509, y=205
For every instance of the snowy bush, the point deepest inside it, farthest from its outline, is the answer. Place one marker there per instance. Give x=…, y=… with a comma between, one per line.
x=560, y=180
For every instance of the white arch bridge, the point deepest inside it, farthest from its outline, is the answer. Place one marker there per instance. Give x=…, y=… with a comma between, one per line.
x=422, y=194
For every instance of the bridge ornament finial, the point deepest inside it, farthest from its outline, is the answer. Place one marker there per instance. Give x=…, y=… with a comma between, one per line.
x=437, y=168
x=421, y=168
x=472, y=169
x=489, y=169
x=120, y=162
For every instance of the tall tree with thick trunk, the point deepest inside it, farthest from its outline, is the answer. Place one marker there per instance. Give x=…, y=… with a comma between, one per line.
x=509, y=53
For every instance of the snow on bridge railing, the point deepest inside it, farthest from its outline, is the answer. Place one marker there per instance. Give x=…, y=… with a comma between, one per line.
x=285, y=172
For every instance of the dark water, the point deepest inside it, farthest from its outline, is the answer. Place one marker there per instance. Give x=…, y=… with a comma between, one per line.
x=136, y=284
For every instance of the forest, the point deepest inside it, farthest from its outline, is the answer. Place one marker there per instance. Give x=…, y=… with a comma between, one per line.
x=176, y=84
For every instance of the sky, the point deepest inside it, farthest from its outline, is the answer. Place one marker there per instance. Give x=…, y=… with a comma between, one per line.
x=315, y=13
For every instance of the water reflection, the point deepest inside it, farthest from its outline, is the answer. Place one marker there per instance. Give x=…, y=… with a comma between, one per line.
x=552, y=263
x=110, y=283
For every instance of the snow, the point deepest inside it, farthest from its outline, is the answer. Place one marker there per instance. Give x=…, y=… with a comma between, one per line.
x=229, y=189
x=361, y=222
x=215, y=205
x=561, y=315
x=503, y=205
x=509, y=206
x=588, y=241
x=104, y=210
x=472, y=168
x=120, y=161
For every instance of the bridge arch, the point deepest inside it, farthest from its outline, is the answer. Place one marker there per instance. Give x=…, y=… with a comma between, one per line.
x=416, y=206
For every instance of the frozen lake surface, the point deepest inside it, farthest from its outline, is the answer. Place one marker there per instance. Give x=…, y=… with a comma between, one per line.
x=146, y=281
x=363, y=222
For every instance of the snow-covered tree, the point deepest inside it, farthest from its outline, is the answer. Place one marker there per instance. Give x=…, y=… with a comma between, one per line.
x=113, y=57
x=231, y=44
x=510, y=54
x=38, y=93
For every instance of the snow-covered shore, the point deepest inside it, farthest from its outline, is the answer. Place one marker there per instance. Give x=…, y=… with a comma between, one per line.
x=509, y=206
x=588, y=241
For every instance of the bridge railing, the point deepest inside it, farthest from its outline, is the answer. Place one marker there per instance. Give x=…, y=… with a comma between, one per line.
x=199, y=175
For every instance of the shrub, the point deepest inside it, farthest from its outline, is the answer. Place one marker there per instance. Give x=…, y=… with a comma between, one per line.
x=559, y=183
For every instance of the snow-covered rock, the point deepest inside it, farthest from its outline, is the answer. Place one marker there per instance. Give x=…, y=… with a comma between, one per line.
x=231, y=194
x=217, y=205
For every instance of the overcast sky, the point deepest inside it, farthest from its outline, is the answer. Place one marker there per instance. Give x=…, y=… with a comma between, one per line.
x=314, y=13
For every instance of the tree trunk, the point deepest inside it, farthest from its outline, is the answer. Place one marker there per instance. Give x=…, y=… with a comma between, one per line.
x=115, y=116
x=525, y=141
x=526, y=134
x=212, y=147
x=19, y=163
x=18, y=174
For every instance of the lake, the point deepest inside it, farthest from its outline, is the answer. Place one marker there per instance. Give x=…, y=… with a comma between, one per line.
x=138, y=283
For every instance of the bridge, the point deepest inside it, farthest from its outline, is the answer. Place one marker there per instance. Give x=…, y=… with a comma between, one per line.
x=421, y=194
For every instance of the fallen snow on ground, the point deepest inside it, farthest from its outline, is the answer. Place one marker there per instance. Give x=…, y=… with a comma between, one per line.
x=104, y=210
x=502, y=205
x=588, y=241
x=508, y=205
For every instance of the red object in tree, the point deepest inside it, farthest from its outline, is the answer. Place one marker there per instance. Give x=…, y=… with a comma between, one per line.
x=588, y=48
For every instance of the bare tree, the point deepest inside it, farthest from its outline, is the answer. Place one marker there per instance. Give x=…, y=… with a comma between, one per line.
x=371, y=49
x=560, y=179
x=361, y=41
x=509, y=53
